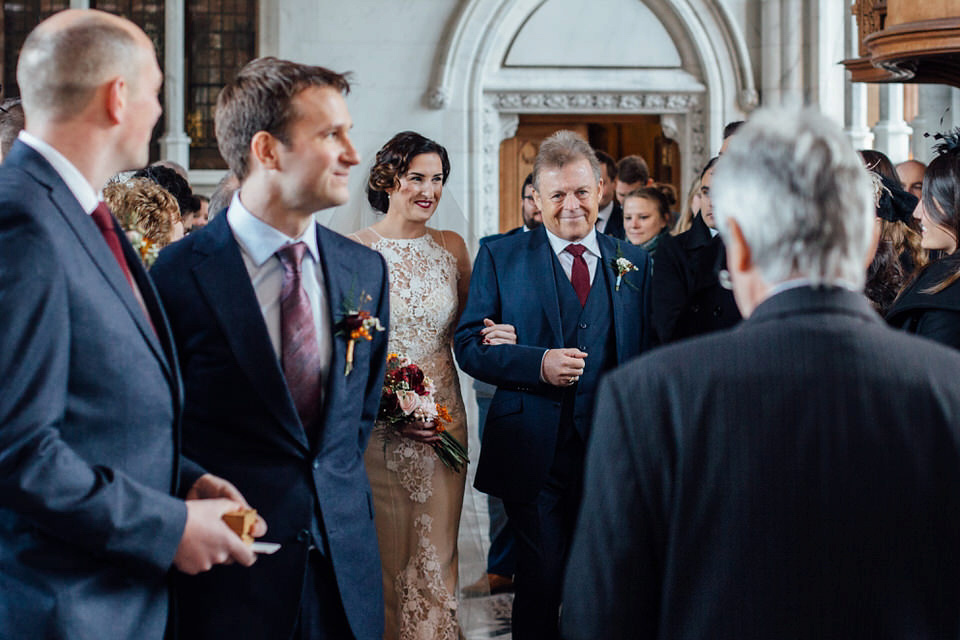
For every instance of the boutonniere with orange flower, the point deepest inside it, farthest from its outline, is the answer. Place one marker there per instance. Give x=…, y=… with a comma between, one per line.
x=356, y=324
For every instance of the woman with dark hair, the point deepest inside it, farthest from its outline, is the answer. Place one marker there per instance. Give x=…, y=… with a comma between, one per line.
x=417, y=500
x=930, y=305
x=899, y=253
x=646, y=217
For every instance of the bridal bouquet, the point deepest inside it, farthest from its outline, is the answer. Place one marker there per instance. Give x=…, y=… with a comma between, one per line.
x=408, y=397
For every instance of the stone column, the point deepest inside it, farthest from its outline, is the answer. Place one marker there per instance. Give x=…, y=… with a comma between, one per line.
x=933, y=100
x=770, y=43
x=891, y=132
x=792, y=63
x=855, y=93
x=174, y=144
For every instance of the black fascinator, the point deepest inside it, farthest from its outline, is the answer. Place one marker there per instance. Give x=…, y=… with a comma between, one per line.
x=896, y=205
x=948, y=142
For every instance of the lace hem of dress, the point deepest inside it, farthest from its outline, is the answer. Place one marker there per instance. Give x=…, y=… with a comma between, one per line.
x=413, y=462
x=427, y=610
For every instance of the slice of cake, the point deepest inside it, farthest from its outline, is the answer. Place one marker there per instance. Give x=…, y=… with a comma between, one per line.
x=242, y=522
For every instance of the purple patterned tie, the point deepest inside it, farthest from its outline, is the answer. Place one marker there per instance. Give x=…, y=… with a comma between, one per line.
x=300, y=351
x=580, y=274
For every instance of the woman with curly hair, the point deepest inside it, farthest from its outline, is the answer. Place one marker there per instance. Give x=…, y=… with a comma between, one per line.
x=417, y=500
x=930, y=305
x=147, y=212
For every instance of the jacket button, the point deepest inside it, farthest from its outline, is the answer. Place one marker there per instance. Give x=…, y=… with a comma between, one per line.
x=316, y=464
x=583, y=325
x=583, y=347
x=695, y=308
x=716, y=312
x=303, y=535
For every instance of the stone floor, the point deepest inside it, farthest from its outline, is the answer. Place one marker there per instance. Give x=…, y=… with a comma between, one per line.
x=486, y=617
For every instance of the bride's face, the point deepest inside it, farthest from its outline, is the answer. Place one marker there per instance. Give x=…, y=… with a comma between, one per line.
x=419, y=190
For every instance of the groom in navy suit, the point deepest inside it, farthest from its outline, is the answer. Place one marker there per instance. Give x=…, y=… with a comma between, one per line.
x=276, y=400
x=576, y=314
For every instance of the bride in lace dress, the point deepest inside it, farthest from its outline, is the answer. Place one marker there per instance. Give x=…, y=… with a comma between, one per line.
x=417, y=500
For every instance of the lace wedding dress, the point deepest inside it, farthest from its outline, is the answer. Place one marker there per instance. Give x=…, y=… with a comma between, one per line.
x=417, y=500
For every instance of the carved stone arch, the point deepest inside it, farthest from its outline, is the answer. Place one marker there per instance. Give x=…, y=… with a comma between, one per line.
x=717, y=85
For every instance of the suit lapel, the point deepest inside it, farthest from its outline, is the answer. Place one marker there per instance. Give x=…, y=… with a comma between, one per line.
x=223, y=280
x=340, y=283
x=541, y=266
x=93, y=243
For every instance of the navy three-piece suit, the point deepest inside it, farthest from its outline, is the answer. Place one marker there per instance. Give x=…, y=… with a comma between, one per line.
x=533, y=442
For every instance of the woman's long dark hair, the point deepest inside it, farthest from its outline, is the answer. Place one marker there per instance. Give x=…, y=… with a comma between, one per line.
x=941, y=202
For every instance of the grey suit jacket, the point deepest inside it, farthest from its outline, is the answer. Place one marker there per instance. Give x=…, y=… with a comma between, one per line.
x=88, y=424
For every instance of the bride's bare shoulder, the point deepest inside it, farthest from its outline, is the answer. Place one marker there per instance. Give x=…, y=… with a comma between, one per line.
x=366, y=237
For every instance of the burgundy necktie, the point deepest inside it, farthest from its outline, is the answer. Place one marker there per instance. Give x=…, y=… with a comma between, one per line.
x=580, y=274
x=104, y=221
x=300, y=351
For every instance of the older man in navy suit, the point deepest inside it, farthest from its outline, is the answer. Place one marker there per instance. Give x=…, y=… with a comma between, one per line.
x=90, y=397
x=278, y=401
x=578, y=302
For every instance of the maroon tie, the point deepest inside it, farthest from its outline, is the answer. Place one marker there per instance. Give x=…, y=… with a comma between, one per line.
x=104, y=221
x=580, y=274
x=300, y=351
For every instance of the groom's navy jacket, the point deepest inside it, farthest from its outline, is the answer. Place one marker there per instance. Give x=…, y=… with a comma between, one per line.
x=517, y=280
x=241, y=424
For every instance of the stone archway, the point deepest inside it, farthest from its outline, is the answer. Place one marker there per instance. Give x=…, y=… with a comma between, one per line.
x=712, y=84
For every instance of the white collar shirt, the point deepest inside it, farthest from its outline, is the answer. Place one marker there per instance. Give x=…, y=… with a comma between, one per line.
x=603, y=217
x=78, y=185
x=259, y=243
x=591, y=255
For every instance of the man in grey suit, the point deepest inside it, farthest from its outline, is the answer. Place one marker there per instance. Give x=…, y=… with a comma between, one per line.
x=795, y=477
x=90, y=391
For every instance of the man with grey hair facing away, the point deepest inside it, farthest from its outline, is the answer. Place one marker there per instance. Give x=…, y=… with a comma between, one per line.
x=795, y=477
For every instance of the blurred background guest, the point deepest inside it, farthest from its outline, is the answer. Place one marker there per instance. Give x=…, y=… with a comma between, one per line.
x=171, y=180
x=911, y=176
x=691, y=207
x=688, y=297
x=144, y=207
x=646, y=217
x=199, y=218
x=899, y=253
x=223, y=194
x=930, y=305
x=610, y=216
x=11, y=122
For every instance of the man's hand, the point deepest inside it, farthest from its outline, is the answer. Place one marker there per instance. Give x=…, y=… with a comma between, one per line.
x=420, y=431
x=209, y=486
x=207, y=540
x=562, y=367
x=493, y=333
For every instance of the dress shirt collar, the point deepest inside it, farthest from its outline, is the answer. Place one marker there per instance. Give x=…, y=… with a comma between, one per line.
x=604, y=215
x=558, y=244
x=78, y=185
x=796, y=283
x=260, y=240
